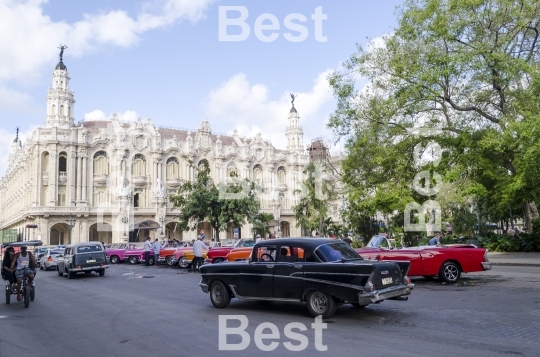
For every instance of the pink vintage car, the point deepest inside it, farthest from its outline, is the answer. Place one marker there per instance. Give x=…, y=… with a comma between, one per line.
x=134, y=254
x=116, y=252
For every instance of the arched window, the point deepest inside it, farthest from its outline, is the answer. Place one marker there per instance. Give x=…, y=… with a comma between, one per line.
x=62, y=110
x=232, y=171
x=53, y=110
x=282, y=175
x=173, y=168
x=138, y=168
x=257, y=173
x=62, y=163
x=101, y=163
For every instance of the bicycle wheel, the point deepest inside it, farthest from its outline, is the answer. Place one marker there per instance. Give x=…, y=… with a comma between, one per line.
x=32, y=293
x=26, y=292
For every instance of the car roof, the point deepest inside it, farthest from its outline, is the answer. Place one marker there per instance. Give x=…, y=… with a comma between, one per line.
x=306, y=242
x=81, y=243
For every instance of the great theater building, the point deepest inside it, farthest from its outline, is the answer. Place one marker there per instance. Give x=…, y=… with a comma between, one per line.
x=110, y=180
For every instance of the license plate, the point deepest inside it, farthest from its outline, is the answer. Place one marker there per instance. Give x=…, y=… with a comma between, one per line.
x=387, y=281
x=93, y=261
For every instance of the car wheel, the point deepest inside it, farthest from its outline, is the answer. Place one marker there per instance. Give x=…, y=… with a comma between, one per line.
x=59, y=272
x=70, y=275
x=101, y=272
x=450, y=272
x=183, y=263
x=357, y=305
x=40, y=267
x=170, y=260
x=115, y=259
x=219, y=295
x=8, y=295
x=217, y=260
x=151, y=261
x=133, y=260
x=320, y=304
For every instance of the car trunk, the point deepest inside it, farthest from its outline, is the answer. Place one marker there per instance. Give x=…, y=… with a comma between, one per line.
x=387, y=274
x=91, y=258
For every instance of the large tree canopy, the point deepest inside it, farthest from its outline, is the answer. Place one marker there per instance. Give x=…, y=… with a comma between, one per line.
x=468, y=67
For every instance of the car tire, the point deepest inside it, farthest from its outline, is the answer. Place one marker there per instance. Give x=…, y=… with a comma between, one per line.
x=320, y=304
x=59, y=272
x=218, y=260
x=101, y=272
x=450, y=272
x=70, y=275
x=40, y=267
x=183, y=263
x=115, y=259
x=151, y=261
x=357, y=305
x=8, y=295
x=170, y=260
x=133, y=260
x=219, y=295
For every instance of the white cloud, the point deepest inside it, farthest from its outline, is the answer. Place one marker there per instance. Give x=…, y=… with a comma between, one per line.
x=237, y=103
x=13, y=100
x=128, y=115
x=27, y=36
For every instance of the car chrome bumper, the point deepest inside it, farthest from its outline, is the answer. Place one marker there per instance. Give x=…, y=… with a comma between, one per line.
x=204, y=287
x=486, y=265
x=74, y=270
x=383, y=294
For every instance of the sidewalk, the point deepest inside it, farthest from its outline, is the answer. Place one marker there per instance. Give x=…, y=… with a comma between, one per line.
x=515, y=259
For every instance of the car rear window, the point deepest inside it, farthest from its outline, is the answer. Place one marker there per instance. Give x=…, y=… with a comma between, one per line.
x=57, y=252
x=334, y=252
x=89, y=248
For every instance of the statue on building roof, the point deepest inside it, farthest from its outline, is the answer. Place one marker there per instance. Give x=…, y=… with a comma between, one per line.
x=62, y=48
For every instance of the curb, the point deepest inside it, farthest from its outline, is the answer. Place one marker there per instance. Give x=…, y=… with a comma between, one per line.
x=516, y=264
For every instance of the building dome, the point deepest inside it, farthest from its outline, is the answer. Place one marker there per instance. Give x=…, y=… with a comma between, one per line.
x=293, y=109
x=61, y=66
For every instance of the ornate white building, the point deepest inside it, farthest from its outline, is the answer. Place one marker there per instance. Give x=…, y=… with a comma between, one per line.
x=113, y=178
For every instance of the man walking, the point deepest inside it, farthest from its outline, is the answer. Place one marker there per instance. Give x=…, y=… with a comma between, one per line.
x=198, y=248
x=147, y=250
x=157, y=248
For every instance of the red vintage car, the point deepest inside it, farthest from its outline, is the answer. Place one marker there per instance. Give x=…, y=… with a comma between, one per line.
x=447, y=262
x=219, y=254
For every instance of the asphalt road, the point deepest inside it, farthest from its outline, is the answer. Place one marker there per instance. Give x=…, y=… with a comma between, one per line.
x=494, y=313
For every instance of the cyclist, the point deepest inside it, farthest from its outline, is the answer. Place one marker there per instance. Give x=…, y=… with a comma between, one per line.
x=25, y=261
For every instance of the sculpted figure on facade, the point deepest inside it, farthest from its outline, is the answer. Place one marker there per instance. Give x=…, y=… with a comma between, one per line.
x=123, y=188
x=159, y=189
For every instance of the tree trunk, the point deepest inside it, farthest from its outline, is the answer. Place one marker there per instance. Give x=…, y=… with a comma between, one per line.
x=529, y=214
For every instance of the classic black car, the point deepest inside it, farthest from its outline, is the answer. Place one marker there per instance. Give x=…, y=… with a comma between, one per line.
x=83, y=257
x=321, y=272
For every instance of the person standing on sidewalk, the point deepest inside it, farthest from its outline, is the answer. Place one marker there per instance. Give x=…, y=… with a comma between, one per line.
x=147, y=249
x=157, y=248
x=198, y=248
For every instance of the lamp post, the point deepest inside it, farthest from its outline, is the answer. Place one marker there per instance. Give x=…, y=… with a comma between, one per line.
x=162, y=220
x=125, y=220
x=70, y=222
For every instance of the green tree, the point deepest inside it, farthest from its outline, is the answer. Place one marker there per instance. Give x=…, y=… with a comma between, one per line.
x=316, y=194
x=260, y=224
x=231, y=202
x=467, y=67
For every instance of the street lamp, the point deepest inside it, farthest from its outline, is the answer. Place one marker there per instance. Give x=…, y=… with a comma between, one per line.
x=125, y=220
x=70, y=222
x=162, y=220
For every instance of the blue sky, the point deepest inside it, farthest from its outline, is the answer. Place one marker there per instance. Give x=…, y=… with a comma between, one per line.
x=163, y=59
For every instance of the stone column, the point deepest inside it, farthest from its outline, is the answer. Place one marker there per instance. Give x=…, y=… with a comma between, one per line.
x=53, y=178
x=79, y=179
x=72, y=177
x=37, y=178
x=84, y=178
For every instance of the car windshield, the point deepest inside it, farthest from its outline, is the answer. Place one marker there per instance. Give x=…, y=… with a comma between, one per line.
x=334, y=252
x=89, y=248
x=118, y=246
x=377, y=242
x=244, y=243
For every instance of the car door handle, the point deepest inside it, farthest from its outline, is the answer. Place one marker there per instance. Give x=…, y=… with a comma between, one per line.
x=269, y=265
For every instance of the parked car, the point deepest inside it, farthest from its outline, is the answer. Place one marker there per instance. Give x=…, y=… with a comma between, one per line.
x=116, y=252
x=321, y=272
x=239, y=254
x=447, y=262
x=166, y=255
x=134, y=254
x=40, y=252
x=187, y=259
x=49, y=260
x=82, y=257
x=218, y=255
